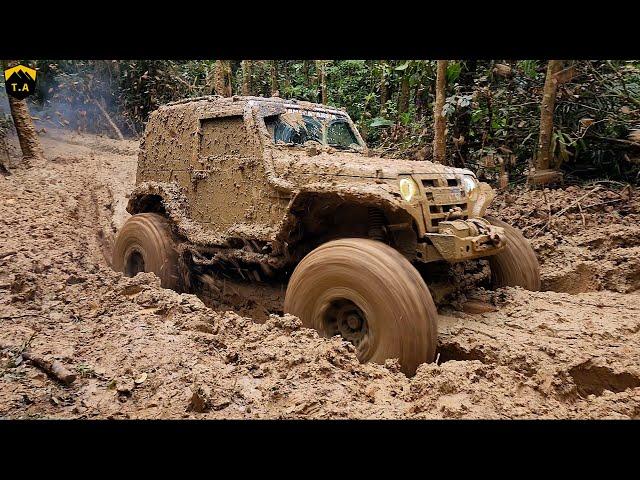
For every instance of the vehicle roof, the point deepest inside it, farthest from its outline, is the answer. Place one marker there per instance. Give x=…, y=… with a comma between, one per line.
x=239, y=100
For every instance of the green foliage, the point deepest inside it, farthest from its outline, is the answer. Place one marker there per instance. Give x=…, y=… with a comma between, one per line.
x=345, y=81
x=453, y=71
x=528, y=67
x=487, y=111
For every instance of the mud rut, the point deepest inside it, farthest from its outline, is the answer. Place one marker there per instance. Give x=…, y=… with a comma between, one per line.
x=144, y=352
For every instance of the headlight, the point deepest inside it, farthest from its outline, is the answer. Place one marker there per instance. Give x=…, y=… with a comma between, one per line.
x=470, y=185
x=408, y=189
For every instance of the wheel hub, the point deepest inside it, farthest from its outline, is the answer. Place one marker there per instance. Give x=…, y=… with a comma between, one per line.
x=354, y=322
x=343, y=317
x=134, y=264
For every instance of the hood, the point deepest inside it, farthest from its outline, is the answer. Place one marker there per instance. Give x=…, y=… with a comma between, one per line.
x=351, y=164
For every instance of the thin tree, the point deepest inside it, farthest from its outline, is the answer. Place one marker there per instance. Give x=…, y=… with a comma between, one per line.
x=320, y=66
x=462, y=125
x=4, y=149
x=274, y=78
x=228, y=79
x=305, y=73
x=287, y=77
x=403, y=98
x=439, y=120
x=222, y=78
x=543, y=159
x=384, y=91
x=27, y=135
x=246, y=77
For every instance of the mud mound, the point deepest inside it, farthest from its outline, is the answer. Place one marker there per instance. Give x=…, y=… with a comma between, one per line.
x=587, y=238
x=144, y=352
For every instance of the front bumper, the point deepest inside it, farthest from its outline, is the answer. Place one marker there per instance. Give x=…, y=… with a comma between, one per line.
x=460, y=240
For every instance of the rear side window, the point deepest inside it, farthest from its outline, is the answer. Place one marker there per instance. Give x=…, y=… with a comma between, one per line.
x=223, y=136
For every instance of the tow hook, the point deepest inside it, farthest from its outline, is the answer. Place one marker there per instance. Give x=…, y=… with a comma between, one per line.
x=497, y=239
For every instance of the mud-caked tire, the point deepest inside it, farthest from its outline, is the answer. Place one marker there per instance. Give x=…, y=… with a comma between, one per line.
x=145, y=243
x=371, y=295
x=517, y=265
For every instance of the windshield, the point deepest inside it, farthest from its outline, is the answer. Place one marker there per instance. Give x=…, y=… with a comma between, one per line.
x=298, y=128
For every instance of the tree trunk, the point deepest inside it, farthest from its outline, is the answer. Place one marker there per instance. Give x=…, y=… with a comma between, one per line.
x=27, y=135
x=246, y=77
x=274, y=78
x=305, y=73
x=543, y=161
x=29, y=141
x=322, y=81
x=384, y=92
x=218, y=78
x=222, y=78
x=463, y=121
x=403, y=100
x=287, y=77
x=417, y=103
x=439, y=120
x=4, y=153
x=227, y=78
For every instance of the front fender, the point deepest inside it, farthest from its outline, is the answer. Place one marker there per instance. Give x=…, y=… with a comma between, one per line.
x=486, y=195
x=384, y=196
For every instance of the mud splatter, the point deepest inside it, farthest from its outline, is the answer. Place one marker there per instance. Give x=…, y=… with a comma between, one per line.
x=143, y=352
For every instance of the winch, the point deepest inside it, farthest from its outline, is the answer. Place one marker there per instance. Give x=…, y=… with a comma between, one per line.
x=460, y=240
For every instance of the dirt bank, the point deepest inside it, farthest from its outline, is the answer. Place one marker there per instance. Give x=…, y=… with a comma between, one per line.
x=587, y=238
x=144, y=352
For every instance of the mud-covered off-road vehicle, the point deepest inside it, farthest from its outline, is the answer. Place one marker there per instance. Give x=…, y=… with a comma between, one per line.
x=276, y=192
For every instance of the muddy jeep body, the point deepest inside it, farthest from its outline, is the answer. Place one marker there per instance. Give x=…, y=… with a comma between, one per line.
x=212, y=167
x=225, y=208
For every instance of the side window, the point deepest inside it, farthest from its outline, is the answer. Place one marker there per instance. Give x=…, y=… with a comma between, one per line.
x=224, y=136
x=340, y=133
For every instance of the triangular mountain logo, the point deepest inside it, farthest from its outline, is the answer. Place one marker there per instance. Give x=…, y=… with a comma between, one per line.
x=20, y=81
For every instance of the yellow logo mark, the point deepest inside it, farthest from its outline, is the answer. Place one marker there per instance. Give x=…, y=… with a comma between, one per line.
x=20, y=81
x=20, y=68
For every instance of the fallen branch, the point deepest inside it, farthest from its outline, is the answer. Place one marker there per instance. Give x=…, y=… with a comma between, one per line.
x=584, y=221
x=53, y=368
x=618, y=140
x=184, y=82
x=608, y=202
x=106, y=115
x=564, y=210
x=611, y=182
x=548, y=207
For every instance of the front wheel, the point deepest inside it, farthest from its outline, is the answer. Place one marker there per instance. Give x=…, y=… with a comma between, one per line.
x=145, y=244
x=517, y=265
x=371, y=295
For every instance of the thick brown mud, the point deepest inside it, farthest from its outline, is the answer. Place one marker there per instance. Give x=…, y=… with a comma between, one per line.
x=141, y=351
x=587, y=238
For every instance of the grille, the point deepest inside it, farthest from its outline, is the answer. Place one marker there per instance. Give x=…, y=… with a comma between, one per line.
x=440, y=194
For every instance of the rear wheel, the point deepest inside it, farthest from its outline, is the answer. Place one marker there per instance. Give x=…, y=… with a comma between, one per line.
x=517, y=265
x=371, y=295
x=145, y=244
